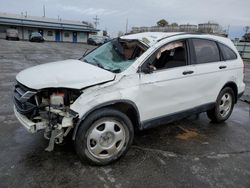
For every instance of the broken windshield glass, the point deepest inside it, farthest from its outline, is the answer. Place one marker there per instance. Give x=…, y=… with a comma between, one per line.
x=116, y=55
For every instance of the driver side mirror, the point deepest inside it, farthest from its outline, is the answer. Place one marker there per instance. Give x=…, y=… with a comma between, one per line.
x=148, y=69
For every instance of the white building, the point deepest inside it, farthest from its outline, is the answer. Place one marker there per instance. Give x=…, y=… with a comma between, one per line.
x=52, y=29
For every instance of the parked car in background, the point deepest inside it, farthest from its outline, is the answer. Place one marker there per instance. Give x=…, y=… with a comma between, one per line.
x=95, y=40
x=134, y=82
x=36, y=37
x=106, y=39
x=12, y=34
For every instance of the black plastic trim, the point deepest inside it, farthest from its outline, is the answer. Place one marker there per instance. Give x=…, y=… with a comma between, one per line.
x=176, y=116
x=103, y=105
x=240, y=95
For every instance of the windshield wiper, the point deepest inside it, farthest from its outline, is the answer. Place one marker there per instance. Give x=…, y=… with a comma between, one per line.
x=98, y=63
x=86, y=61
x=116, y=70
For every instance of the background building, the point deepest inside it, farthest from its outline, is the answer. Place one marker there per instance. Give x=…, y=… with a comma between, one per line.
x=52, y=29
x=209, y=27
x=188, y=28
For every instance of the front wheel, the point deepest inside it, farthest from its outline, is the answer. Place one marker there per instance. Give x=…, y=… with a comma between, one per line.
x=104, y=136
x=223, y=107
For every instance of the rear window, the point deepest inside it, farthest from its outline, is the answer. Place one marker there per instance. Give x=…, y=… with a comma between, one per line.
x=228, y=54
x=206, y=51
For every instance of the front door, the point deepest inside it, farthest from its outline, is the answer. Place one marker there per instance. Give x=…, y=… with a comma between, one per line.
x=171, y=87
x=58, y=36
x=74, y=37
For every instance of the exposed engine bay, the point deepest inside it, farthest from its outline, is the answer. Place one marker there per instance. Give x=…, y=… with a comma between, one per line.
x=47, y=109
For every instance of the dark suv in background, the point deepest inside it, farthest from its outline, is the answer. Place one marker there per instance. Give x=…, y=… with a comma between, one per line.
x=36, y=37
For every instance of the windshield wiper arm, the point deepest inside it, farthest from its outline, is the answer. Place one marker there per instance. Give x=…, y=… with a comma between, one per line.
x=86, y=61
x=98, y=63
x=116, y=70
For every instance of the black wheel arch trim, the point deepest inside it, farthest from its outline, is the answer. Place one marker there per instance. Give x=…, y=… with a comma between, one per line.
x=230, y=84
x=113, y=102
x=240, y=94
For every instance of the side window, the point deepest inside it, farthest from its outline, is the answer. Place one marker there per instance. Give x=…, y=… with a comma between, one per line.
x=169, y=56
x=206, y=51
x=228, y=54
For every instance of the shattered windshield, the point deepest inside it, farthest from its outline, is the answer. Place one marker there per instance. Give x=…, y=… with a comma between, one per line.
x=116, y=55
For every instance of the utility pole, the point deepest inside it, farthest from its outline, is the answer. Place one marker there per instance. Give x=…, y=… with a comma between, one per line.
x=228, y=30
x=43, y=10
x=96, y=21
x=127, y=26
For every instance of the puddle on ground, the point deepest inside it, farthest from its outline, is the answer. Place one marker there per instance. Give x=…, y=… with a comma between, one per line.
x=187, y=134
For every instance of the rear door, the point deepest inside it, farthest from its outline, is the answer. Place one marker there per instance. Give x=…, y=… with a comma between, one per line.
x=209, y=69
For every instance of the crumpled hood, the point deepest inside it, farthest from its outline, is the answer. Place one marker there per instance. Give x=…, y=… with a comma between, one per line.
x=73, y=74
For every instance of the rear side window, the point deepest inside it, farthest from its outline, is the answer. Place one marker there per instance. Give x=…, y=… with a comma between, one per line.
x=228, y=54
x=206, y=51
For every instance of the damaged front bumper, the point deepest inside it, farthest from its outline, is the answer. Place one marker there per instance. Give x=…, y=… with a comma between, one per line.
x=54, y=133
x=29, y=125
x=40, y=111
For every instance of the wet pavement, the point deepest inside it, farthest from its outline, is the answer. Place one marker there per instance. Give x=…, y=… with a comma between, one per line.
x=189, y=153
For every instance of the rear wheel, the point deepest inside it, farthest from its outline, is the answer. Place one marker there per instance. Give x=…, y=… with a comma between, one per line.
x=224, y=106
x=104, y=136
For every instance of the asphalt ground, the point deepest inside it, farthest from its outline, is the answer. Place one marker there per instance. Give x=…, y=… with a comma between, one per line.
x=192, y=152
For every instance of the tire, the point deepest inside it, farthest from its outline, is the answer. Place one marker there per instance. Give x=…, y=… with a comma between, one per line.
x=223, y=107
x=104, y=136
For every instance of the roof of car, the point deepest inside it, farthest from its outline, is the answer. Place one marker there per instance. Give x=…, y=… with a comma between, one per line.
x=151, y=38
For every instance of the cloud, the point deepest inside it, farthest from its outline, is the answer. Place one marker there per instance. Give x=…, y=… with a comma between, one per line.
x=89, y=11
x=113, y=13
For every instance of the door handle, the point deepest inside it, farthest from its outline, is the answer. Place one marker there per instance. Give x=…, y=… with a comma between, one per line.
x=187, y=72
x=222, y=67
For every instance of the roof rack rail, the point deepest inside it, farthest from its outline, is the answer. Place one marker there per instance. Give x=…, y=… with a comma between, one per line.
x=183, y=33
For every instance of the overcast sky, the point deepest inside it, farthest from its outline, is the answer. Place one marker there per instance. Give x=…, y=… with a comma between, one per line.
x=113, y=13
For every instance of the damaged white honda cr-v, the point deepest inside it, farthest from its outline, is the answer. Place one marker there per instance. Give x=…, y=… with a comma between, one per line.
x=133, y=82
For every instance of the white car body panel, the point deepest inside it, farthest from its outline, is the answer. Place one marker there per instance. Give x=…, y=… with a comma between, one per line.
x=73, y=74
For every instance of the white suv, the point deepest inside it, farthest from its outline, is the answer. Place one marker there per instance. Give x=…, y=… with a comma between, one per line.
x=133, y=82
